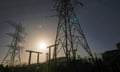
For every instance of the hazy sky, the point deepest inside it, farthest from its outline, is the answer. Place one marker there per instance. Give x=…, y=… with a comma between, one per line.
x=99, y=19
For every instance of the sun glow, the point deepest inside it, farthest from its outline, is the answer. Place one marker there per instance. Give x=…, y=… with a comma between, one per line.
x=42, y=45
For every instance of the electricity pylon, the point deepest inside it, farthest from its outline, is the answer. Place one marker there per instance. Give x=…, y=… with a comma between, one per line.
x=13, y=55
x=69, y=34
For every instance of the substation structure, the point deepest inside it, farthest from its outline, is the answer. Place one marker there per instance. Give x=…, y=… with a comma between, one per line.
x=69, y=35
x=30, y=54
x=49, y=55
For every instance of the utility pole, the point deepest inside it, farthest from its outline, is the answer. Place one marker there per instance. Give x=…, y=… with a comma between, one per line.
x=30, y=53
x=49, y=47
x=49, y=55
x=13, y=54
x=69, y=35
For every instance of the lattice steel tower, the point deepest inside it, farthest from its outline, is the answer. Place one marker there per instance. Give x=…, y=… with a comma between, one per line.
x=13, y=55
x=69, y=34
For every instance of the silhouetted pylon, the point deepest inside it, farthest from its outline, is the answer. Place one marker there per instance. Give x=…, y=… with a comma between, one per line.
x=13, y=55
x=69, y=36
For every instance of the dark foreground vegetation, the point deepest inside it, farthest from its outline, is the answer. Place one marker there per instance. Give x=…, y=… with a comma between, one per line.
x=81, y=65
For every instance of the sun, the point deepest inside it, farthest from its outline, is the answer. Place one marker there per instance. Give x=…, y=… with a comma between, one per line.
x=42, y=45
